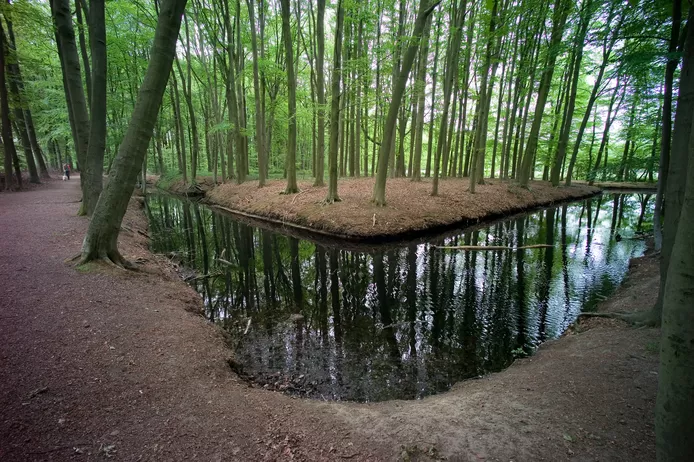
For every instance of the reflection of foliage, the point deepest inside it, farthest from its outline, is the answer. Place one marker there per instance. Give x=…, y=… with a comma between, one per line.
x=404, y=322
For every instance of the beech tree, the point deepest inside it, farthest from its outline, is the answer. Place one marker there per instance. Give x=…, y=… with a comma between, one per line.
x=101, y=241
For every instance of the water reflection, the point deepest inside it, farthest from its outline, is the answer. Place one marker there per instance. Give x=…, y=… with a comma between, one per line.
x=402, y=322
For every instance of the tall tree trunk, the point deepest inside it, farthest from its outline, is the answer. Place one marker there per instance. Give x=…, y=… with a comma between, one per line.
x=94, y=166
x=232, y=103
x=678, y=164
x=420, y=92
x=561, y=11
x=28, y=120
x=379, y=192
x=83, y=48
x=73, y=79
x=666, y=133
x=450, y=72
x=434, y=74
x=674, y=405
x=608, y=44
x=101, y=241
x=320, y=94
x=291, y=90
x=259, y=120
x=565, y=131
x=335, y=108
x=8, y=140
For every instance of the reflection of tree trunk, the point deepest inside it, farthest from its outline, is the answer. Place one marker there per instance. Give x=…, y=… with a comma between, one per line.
x=565, y=262
x=643, y=200
x=322, y=292
x=337, y=316
x=522, y=340
x=268, y=272
x=388, y=332
x=411, y=284
x=296, y=274
x=545, y=283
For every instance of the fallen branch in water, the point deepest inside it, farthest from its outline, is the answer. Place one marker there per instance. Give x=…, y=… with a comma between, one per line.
x=492, y=247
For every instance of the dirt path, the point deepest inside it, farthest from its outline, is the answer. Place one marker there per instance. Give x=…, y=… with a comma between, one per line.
x=102, y=363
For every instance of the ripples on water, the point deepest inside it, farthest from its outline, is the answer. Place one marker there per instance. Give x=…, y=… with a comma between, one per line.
x=398, y=322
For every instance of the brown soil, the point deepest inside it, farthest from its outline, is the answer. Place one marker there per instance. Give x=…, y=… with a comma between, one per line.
x=98, y=362
x=411, y=210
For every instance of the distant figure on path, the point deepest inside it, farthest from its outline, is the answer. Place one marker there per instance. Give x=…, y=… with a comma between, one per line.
x=66, y=170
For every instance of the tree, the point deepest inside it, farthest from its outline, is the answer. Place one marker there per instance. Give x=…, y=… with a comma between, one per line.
x=335, y=108
x=8, y=141
x=101, y=241
x=94, y=165
x=320, y=90
x=67, y=49
x=674, y=405
x=291, y=87
x=379, y=191
x=259, y=122
x=561, y=11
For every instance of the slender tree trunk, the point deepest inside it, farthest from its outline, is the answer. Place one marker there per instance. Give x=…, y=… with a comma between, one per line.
x=7, y=138
x=259, y=122
x=28, y=120
x=561, y=11
x=379, y=192
x=434, y=74
x=83, y=48
x=586, y=15
x=320, y=94
x=97, y=129
x=608, y=44
x=101, y=241
x=420, y=90
x=449, y=77
x=335, y=108
x=73, y=79
x=291, y=90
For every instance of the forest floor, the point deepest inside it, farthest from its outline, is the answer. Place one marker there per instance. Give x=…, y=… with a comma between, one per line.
x=99, y=363
x=411, y=211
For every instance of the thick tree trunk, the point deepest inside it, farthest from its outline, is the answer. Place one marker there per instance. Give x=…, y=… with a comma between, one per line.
x=335, y=108
x=102, y=235
x=291, y=90
x=678, y=165
x=666, y=133
x=674, y=406
x=379, y=192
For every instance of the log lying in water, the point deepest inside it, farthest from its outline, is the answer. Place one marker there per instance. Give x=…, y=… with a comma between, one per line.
x=491, y=247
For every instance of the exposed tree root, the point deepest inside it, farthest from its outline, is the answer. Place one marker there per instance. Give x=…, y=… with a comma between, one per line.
x=639, y=319
x=111, y=258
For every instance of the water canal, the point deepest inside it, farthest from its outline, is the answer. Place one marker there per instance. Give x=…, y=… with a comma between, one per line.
x=338, y=322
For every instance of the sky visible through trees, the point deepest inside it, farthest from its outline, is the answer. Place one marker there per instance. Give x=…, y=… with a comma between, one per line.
x=471, y=95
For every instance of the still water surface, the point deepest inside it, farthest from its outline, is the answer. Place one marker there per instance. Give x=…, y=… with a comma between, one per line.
x=375, y=324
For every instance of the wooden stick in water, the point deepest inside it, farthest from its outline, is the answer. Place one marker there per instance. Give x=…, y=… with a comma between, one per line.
x=492, y=247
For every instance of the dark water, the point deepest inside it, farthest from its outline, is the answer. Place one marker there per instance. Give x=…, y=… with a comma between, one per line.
x=398, y=322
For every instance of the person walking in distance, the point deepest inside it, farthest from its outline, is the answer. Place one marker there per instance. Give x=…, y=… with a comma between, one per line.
x=66, y=170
